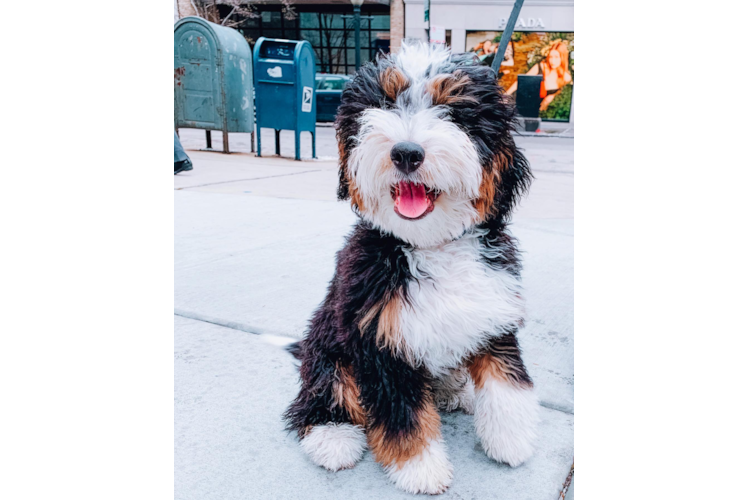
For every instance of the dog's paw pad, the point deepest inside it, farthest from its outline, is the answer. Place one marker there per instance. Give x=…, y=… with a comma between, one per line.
x=335, y=446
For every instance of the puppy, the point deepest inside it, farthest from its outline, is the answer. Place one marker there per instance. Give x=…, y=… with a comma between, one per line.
x=425, y=304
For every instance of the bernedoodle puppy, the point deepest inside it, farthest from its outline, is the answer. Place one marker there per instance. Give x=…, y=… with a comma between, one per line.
x=426, y=301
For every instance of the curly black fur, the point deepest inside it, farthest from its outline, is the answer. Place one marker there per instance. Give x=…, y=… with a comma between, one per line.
x=372, y=267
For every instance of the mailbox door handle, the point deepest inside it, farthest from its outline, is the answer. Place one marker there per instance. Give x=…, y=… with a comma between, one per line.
x=275, y=82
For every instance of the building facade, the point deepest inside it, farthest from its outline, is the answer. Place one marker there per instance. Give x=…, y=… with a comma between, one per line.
x=542, y=43
x=464, y=17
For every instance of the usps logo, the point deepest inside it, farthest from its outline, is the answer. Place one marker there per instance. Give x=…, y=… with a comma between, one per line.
x=275, y=72
x=306, y=101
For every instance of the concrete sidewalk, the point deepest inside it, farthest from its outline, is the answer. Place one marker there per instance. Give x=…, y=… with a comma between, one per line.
x=254, y=251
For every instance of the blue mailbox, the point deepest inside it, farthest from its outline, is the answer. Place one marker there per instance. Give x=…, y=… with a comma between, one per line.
x=212, y=79
x=284, y=86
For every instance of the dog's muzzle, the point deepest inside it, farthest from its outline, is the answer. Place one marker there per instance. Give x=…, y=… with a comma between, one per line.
x=407, y=156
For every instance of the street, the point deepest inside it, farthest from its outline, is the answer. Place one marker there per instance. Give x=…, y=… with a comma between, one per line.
x=255, y=242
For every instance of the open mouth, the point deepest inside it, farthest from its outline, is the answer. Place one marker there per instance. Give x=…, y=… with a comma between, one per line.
x=413, y=201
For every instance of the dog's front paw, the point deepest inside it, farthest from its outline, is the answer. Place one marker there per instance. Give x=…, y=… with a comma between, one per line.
x=335, y=446
x=506, y=420
x=430, y=472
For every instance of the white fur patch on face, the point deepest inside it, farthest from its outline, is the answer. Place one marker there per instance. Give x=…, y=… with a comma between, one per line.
x=335, y=446
x=430, y=472
x=451, y=164
x=506, y=419
x=416, y=59
x=455, y=304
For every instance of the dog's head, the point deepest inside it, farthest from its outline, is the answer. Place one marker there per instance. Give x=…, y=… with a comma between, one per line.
x=425, y=145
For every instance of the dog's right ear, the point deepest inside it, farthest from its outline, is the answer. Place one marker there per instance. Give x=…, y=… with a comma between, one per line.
x=347, y=128
x=343, y=191
x=364, y=91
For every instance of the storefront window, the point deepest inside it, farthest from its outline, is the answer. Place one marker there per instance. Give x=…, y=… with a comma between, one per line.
x=331, y=35
x=381, y=22
x=271, y=19
x=535, y=53
x=312, y=36
x=308, y=20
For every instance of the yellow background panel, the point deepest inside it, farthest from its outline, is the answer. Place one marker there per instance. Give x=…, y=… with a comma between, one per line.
x=661, y=302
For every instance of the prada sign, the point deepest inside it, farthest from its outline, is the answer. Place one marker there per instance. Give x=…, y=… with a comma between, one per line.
x=522, y=22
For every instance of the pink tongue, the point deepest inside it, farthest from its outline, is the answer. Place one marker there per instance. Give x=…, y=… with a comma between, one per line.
x=412, y=201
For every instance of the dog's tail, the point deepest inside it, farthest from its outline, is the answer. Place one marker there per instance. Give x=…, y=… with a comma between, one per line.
x=294, y=346
x=296, y=349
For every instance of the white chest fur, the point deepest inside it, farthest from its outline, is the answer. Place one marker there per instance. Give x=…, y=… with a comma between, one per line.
x=456, y=302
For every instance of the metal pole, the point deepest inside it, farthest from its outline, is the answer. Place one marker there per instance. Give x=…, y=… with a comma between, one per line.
x=357, y=27
x=208, y=142
x=506, y=35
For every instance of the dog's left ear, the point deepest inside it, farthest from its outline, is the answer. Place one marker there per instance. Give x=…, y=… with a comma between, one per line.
x=488, y=117
x=512, y=182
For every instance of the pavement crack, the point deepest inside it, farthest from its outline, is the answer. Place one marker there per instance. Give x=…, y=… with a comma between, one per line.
x=234, y=325
x=555, y=407
x=564, y=172
x=567, y=483
x=248, y=179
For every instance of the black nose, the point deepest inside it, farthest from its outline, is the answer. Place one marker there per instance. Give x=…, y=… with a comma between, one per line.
x=407, y=156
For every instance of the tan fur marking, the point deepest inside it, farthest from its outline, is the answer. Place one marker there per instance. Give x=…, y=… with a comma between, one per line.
x=484, y=203
x=388, y=329
x=353, y=192
x=393, y=82
x=346, y=394
x=399, y=449
x=356, y=199
x=485, y=367
x=447, y=88
x=364, y=323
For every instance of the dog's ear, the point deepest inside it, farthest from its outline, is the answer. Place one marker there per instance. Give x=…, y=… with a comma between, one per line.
x=343, y=188
x=513, y=183
x=482, y=110
x=375, y=84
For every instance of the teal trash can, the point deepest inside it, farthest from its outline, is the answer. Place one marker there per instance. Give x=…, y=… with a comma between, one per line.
x=212, y=79
x=285, y=89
